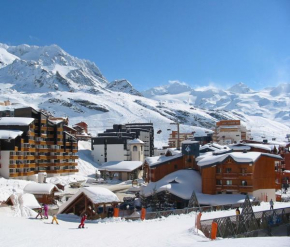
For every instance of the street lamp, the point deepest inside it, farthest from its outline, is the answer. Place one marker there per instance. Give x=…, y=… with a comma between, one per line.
x=178, y=145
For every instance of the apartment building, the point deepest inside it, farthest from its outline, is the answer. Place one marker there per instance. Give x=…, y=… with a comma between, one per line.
x=113, y=144
x=31, y=143
x=175, y=140
x=230, y=131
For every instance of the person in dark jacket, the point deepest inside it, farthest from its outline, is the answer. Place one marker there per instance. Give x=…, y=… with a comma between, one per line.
x=271, y=205
x=83, y=219
x=39, y=213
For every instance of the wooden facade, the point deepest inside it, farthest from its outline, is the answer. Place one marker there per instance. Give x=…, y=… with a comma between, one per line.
x=82, y=204
x=230, y=176
x=153, y=173
x=43, y=147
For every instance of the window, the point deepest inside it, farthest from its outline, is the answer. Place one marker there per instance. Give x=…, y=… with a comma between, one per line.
x=229, y=182
x=218, y=170
x=243, y=171
x=175, y=166
x=134, y=148
x=244, y=183
x=228, y=170
x=219, y=182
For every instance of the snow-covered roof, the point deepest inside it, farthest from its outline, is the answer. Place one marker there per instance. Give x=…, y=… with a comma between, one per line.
x=157, y=160
x=173, y=151
x=249, y=157
x=260, y=146
x=180, y=183
x=124, y=166
x=212, y=146
x=36, y=188
x=10, y=134
x=135, y=141
x=239, y=147
x=189, y=142
x=56, y=121
x=222, y=151
x=25, y=200
x=97, y=195
x=19, y=121
x=203, y=155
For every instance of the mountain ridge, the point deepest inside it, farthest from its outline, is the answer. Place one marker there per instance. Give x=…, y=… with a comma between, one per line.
x=48, y=78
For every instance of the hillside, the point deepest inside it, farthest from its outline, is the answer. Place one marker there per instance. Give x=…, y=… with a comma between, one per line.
x=48, y=78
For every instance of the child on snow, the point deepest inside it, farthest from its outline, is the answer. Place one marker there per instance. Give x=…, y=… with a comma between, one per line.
x=39, y=213
x=54, y=219
x=83, y=219
x=45, y=207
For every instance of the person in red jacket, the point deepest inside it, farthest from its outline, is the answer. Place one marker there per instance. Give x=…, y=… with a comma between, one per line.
x=83, y=219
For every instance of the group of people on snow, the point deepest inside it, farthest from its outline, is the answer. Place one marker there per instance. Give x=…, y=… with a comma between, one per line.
x=54, y=217
x=45, y=209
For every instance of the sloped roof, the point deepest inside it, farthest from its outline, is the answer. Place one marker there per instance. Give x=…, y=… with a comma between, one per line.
x=249, y=157
x=180, y=183
x=158, y=160
x=18, y=121
x=10, y=134
x=135, y=141
x=126, y=166
x=97, y=195
x=36, y=188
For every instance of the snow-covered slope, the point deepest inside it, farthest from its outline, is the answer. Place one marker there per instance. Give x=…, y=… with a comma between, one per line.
x=271, y=103
x=42, y=69
x=48, y=78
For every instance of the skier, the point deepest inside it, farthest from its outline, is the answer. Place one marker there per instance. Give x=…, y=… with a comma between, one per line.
x=54, y=219
x=237, y=213
x=271, y=204
x=45, y=207
x=83, y=219
x=39, y=213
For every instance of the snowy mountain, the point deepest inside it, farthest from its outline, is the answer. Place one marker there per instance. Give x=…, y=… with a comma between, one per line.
x=48, y=78
x=174, y=87
x=271, y=103
x=42, y=69
x=240, y=88
x=123, y=86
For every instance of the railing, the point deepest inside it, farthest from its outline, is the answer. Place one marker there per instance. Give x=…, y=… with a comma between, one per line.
x=166, y=213
x=247, y=224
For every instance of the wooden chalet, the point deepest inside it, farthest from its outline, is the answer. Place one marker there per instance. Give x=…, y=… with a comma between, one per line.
x=157, y=167
x=239, y=173
x=96, y=202
x=44, y=193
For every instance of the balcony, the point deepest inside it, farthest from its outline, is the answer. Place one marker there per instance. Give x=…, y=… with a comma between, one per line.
x=227, y=175
x=21, y=174
x=62, y=171
x=29, y=157
x=245, y=176
x=233, y=187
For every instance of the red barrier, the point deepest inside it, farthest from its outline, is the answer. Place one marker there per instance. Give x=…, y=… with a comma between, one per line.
x=116, y=212
x=214, y=227
x=198, y=226
x=143, y=213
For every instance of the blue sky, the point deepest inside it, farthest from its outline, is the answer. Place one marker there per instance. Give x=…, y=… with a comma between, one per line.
x=149, y=43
